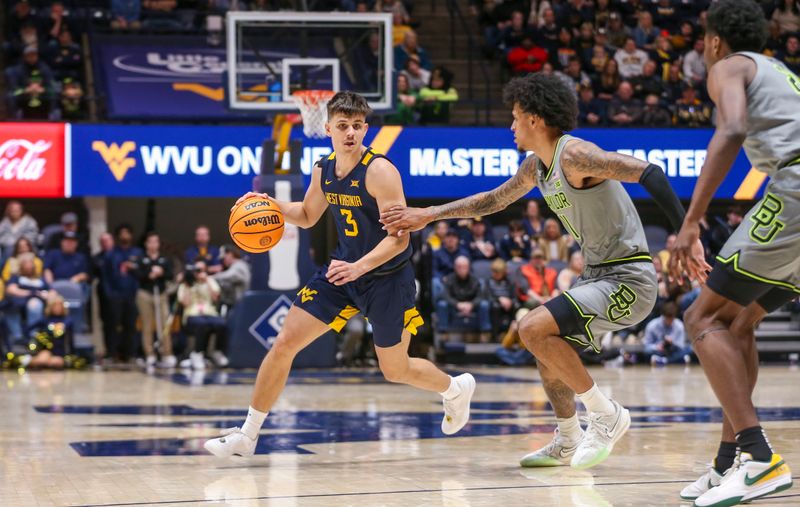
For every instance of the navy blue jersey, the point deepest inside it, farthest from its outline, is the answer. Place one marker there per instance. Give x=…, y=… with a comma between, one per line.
x=355, y=212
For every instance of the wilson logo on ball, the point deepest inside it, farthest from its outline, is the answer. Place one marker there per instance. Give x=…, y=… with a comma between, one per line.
x=262, y=220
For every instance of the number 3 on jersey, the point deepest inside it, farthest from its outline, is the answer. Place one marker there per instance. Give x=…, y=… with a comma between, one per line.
x=349, y=220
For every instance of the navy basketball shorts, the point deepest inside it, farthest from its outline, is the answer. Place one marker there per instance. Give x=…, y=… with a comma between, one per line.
x=387, y=301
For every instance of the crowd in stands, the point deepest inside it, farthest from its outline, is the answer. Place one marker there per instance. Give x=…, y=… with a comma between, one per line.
x=485, y=278
x=632, y=63
x=43, y=63
x=143, y=296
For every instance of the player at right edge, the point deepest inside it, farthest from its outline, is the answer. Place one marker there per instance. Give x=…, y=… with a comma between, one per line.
x=758, y=269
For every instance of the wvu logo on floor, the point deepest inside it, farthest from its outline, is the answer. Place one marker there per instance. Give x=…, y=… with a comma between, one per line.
x=306, y=294
x=116, y=157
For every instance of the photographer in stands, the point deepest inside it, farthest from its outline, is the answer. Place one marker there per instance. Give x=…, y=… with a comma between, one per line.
x=199, y=294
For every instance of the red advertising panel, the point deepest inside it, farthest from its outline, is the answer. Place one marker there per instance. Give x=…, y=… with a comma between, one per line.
x=32, y=159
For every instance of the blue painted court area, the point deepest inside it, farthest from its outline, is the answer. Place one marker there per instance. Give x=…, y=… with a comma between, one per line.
x=302, y=428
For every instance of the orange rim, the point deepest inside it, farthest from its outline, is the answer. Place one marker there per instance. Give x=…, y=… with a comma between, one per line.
x=312, y=97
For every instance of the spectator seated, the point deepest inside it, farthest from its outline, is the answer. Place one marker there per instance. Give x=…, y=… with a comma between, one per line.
x=27, y=293
x=463, y=305
x=444, y=260
x=665, y=338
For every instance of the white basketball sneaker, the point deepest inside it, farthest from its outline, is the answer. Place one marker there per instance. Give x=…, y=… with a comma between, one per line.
x=708, y=480
x=557, y=453
x=456, y=411
x=748, y=480
x=603, y=431
x=232, y=443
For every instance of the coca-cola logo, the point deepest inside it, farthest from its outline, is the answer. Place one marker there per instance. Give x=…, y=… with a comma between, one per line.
x=22, y=160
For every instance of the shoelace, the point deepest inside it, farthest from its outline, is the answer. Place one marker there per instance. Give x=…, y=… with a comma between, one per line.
x=229, y=431
x=737, y=464
x=591, y=420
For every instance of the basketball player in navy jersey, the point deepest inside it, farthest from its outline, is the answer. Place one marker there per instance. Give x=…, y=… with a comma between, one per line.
x=369, y=272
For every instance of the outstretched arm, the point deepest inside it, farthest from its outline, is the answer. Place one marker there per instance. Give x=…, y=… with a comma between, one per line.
x=399, y=220
x=383, y=182
x=727, y=87
x=305, y=213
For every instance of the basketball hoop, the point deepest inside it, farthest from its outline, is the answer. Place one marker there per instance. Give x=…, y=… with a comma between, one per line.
x=313, y=108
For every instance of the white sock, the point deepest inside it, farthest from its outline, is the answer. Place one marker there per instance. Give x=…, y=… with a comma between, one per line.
x=252, y=425
x=570, y=428
x=452, y=391
x=595, y=401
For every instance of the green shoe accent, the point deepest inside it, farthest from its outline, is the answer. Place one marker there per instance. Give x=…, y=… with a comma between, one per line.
x=537, y=462
x=601, y=457
x=728, y=502
x=776, y=490
x=749, y=481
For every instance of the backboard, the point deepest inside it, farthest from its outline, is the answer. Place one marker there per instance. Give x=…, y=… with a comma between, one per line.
x=272, y=54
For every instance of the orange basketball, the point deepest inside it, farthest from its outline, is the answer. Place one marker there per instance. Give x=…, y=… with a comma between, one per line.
x=256, y=225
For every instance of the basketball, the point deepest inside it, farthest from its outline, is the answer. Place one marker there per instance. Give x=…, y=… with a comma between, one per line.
x=256, y=225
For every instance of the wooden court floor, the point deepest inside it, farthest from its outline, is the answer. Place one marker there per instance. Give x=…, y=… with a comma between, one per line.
x=344, y=437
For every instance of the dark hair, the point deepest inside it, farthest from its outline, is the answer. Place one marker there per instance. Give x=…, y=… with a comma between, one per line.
x=121, y=227
x=793, y=8
x=545, y=96
x=740, y=23
x=233, y=250
x=669, y=309
x=515, y=225
x=444, y=74
x=735, y=209
x=20, y=240
x=150, y=234
x=348, y=104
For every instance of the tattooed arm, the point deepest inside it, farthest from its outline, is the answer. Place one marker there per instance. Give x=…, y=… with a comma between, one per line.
x=584, y=160
x=398, y=220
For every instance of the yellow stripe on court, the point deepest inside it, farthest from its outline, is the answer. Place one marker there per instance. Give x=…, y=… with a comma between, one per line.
x=750, y=185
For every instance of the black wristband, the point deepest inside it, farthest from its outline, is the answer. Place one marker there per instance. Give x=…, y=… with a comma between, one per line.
x=657, y=185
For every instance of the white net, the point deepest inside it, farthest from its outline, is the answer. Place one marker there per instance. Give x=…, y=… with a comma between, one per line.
x=313, y=108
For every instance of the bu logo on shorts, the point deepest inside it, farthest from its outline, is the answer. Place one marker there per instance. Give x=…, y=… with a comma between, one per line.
x=621, y=301
x=765, y=220
x=306, y=294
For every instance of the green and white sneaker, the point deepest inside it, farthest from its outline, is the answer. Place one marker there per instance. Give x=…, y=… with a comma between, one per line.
x=557, y=453
x=708, y=480
x=603, y=431
x=748, y=480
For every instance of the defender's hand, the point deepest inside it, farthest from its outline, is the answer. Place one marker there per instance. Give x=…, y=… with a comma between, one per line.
x=340, y=272
x=687, y=255
x=248, y=195
x=399, y=220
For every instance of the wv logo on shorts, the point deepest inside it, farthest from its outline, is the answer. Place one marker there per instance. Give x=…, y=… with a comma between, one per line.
x=621, y=301
x=116, y=157
x=306, y=294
